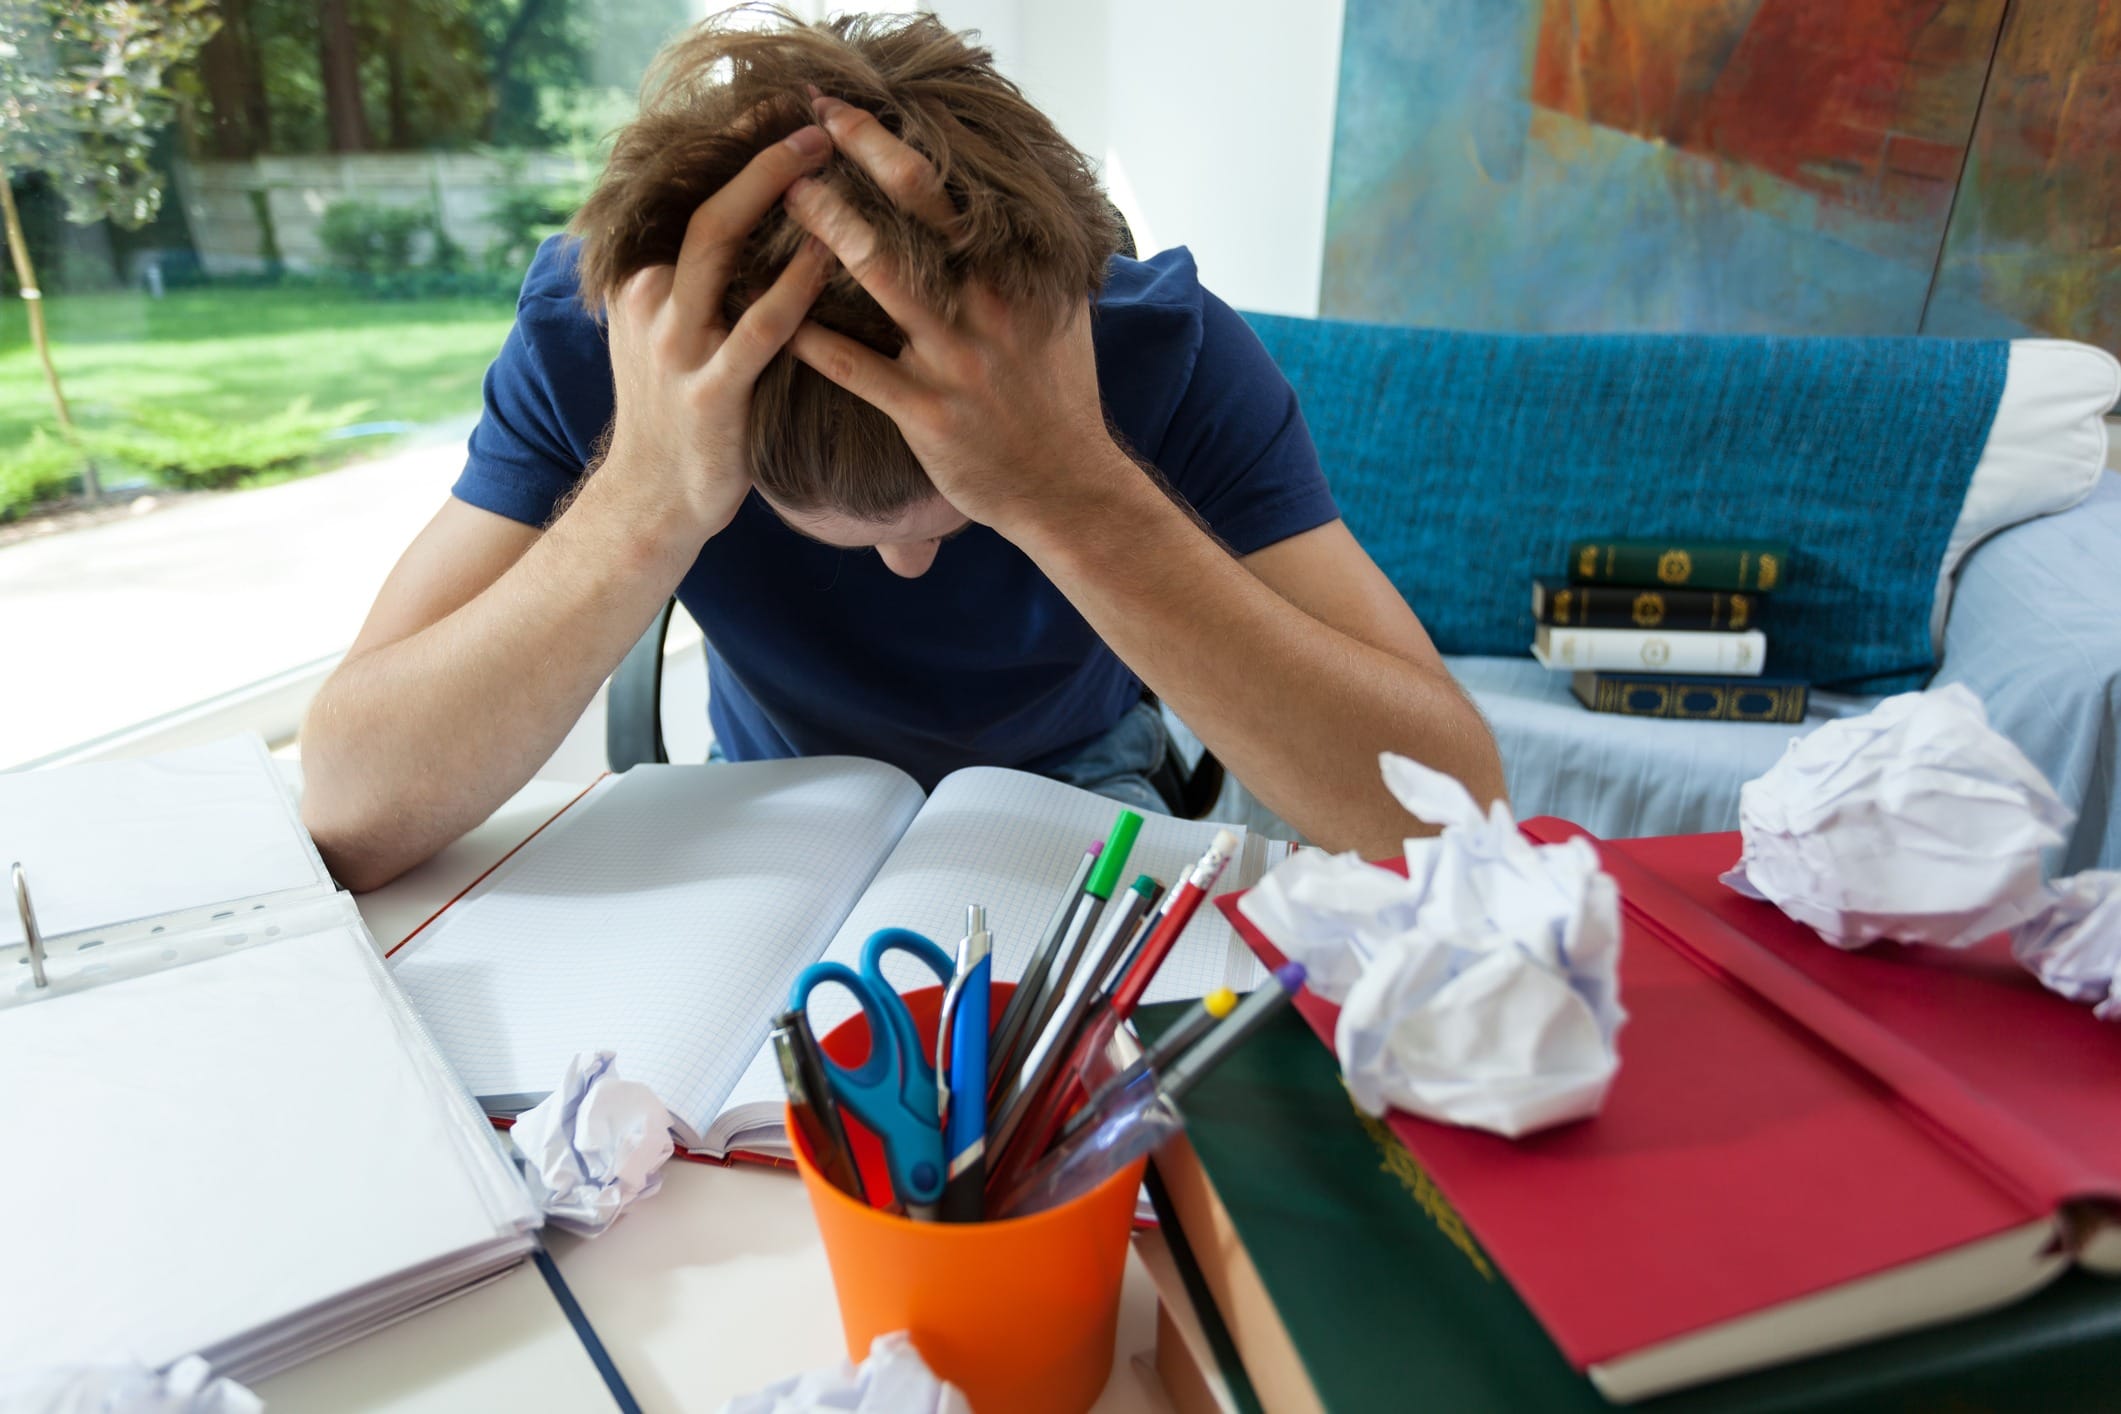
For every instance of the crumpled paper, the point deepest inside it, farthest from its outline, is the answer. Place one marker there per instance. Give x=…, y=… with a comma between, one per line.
x=1920, y=822
x=187, y=1387
x=893, y=1380
x=1482, y=989
x=595, y=1146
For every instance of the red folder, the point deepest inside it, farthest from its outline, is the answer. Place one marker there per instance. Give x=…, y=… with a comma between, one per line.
x=1802, y=1148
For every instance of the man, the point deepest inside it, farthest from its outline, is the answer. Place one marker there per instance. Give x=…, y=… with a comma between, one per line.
x=844, y=359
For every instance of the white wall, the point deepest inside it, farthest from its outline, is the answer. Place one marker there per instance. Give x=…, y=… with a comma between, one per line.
x=1212, y=120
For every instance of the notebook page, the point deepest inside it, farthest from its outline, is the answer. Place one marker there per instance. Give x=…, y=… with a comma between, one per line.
x=1011, y=841
x=664, y=918
x=224, y=1143
x=194, y=831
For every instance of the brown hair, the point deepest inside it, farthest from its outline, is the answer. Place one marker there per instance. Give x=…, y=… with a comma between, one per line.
x=1031, y=224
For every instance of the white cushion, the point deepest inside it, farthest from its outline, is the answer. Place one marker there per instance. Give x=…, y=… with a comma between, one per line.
x=2045, y=449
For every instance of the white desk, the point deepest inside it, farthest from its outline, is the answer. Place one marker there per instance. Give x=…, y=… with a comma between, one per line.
x=715, y=1286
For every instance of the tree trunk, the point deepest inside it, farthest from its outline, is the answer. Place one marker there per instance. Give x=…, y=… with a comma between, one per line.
x=340, y=57
x=504, y=54
x=397, y=87
x=222, y=68
x=33, y=301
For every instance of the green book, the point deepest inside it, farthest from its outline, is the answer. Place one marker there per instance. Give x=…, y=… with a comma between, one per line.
x=1755, y=566
x=1390, y=1303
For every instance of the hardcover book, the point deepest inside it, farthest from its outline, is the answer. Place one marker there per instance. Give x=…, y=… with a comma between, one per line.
x=1692, y=698
x=1296, y=1229
x=1804, y=1149
x=1623, y=606
x=1758, y=566
x=1638, y=650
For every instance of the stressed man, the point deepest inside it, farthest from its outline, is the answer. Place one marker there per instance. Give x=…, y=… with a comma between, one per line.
x=842, y=354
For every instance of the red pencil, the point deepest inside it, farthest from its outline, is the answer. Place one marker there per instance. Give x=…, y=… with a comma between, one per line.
x=1177, y=914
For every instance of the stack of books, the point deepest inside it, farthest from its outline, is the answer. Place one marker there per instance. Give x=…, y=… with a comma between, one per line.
x=1657, y=628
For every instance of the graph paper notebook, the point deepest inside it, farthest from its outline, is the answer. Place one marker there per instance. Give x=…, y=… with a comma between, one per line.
x=664, y=915
x=228, y=1134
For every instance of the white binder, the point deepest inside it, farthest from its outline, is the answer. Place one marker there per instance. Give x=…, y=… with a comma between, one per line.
x=224, y=1131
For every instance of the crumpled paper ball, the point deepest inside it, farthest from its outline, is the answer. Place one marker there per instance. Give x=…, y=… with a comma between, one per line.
x=893, y=1380
x=1481, y=990
x=1921, y=823
x=187, y=1387
x=595, y=1146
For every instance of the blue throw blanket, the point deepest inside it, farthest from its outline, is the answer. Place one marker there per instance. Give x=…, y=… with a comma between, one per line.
x=1466, y=463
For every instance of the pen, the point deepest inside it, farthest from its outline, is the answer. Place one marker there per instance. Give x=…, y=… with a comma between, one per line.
x=1004, y=1047
x=1271, y=996
x=1213, y=1008
x=810, y=1100
x=965, y=1107
x=1143, y=1113
x=1068, y=954
x=1057, y=1040
x=1185, y=900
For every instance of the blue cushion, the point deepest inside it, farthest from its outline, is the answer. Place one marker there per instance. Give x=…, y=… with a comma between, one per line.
x=1466, y=463
x=2038, y=640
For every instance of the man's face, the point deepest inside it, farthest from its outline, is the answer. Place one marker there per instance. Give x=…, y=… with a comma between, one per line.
x=906, y=545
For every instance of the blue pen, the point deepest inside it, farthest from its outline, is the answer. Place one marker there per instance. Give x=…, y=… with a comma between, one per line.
x=965, y=1013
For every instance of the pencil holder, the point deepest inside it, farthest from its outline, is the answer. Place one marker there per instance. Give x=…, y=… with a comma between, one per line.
x=1019, y=1314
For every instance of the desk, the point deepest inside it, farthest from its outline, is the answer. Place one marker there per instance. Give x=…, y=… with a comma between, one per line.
x=715, y=1286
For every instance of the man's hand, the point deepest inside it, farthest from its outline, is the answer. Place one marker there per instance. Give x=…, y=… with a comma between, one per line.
x=1000, y=404
x=682, y=377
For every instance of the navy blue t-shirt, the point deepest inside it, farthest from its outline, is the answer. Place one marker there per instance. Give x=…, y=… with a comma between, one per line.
x=981, y=661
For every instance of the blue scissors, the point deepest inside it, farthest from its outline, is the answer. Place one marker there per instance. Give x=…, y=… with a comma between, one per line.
x=893, y=1091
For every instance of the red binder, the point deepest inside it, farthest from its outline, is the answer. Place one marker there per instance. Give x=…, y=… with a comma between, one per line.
x=1803, y=1148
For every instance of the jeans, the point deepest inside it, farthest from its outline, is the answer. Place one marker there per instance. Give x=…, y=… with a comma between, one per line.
x=1118, y=764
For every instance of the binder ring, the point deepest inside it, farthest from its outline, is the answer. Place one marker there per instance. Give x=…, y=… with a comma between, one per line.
x=31, y=938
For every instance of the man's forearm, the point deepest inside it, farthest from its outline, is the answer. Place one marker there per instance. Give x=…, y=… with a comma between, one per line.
x=1296, y=709
x=413, y=742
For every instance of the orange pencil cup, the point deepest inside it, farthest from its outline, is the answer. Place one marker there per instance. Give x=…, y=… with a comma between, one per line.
x=1019, y=1314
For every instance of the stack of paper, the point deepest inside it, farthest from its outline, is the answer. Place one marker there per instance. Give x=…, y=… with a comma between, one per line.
x=228, y=1133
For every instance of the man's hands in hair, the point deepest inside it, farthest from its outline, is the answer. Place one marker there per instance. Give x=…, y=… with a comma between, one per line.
x=1000, y=404
x=683, y=376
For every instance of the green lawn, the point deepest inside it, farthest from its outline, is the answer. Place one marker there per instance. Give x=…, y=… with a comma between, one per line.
x=245, y=354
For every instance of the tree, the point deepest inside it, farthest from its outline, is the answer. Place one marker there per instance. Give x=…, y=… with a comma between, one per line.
x=83, y=93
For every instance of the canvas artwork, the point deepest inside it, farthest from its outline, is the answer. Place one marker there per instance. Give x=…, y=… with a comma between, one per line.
x=2035, y=239
x=1807, y=166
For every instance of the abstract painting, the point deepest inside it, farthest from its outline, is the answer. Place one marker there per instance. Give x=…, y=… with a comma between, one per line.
x=2035, y=240
x=1724, y=165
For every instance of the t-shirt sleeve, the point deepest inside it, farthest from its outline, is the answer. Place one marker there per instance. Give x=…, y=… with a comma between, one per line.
x=547, y=398
x=1237, y=447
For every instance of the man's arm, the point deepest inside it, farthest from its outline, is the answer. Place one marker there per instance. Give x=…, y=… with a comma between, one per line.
x=490, y=638
x=1295, y=667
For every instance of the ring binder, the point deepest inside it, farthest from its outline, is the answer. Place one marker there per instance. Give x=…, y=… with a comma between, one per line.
x=31, y=938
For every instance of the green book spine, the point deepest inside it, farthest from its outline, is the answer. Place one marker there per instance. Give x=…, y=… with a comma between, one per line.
x=1754, y=566
x=1699, y=699
x=1625, y=606
x=1392, y=1304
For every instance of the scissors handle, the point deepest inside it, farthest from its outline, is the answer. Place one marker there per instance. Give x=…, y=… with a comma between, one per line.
x=893, y=1092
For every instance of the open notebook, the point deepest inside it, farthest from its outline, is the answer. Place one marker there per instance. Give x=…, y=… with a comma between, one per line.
x=230, y=1135
x=665, y=915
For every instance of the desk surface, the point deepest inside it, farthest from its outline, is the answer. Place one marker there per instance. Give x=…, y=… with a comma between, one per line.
x=715, y=1286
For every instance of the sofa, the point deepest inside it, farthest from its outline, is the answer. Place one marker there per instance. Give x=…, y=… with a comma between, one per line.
x=1946, y=503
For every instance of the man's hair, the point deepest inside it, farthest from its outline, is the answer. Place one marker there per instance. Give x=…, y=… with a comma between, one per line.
x=1031, y=221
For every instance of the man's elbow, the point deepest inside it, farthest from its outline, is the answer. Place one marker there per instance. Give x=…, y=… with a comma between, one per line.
x=356, y=850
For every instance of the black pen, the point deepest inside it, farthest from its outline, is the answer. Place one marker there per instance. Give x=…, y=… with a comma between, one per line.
x=810, y=1100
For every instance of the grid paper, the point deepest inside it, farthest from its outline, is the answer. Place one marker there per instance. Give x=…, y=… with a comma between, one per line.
x=1011, y=841
x=664, y=920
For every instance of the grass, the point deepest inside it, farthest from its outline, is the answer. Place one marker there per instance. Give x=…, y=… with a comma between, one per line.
x=246, y=355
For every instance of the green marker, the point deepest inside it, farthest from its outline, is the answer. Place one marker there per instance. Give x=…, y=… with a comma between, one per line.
x=1112, y=859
